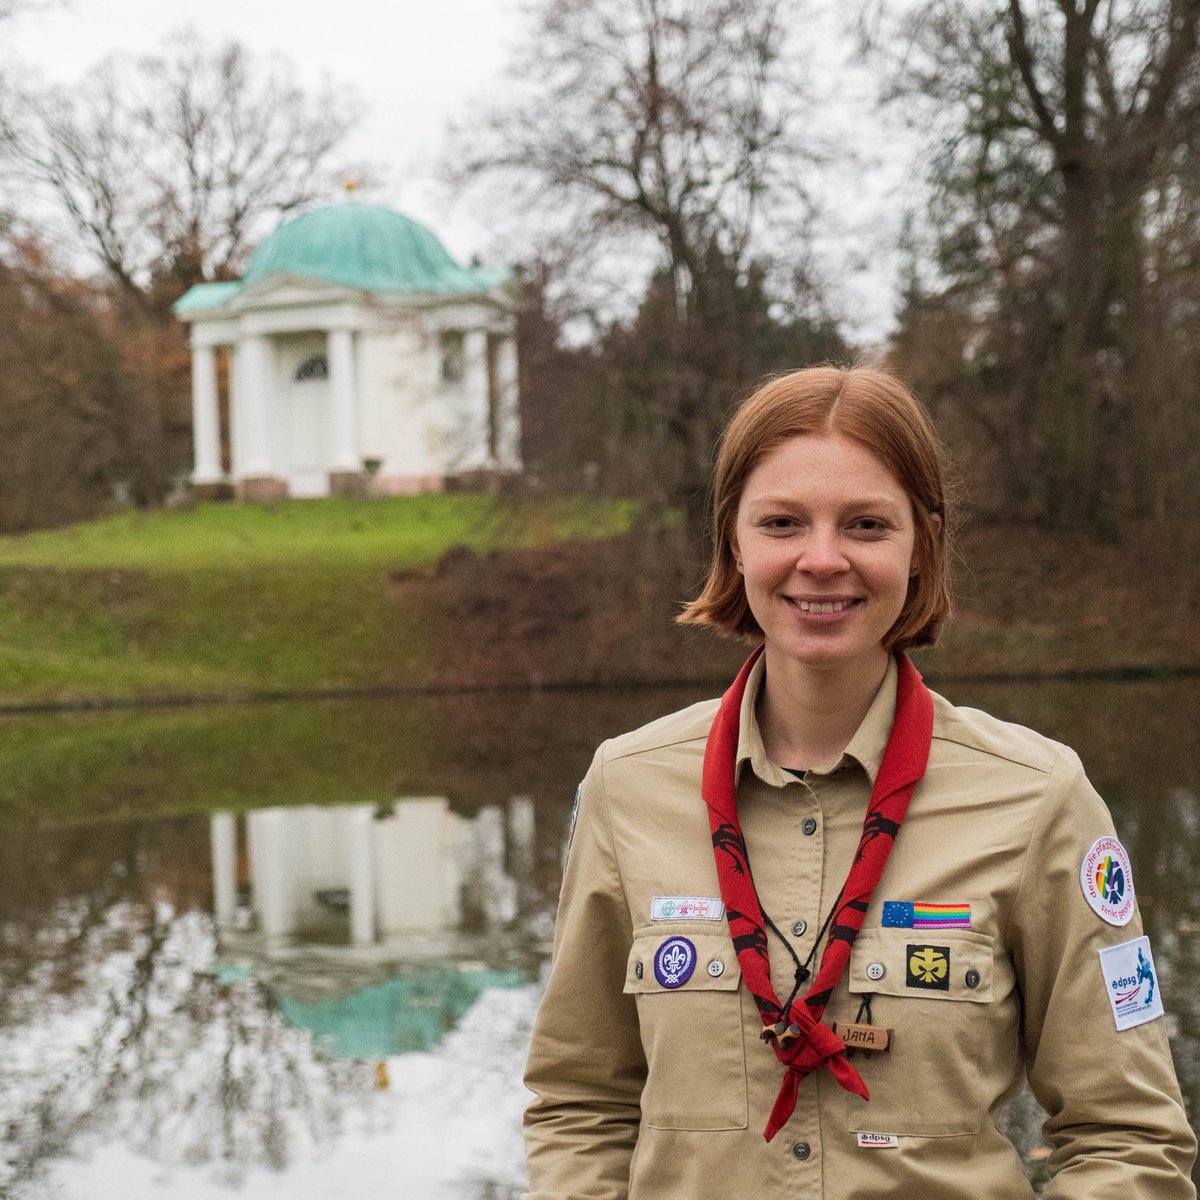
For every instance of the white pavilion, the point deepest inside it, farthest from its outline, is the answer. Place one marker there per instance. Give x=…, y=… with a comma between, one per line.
x=354, y=351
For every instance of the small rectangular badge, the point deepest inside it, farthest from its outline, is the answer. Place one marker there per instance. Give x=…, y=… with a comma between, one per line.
x=928, y=967
x=878, y=1141
x=863, y=1037
x=916, y=914
x=1131, y=982
x=687, y=908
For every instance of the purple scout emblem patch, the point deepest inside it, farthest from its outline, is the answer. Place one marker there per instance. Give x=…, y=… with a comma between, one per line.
x=674, y=962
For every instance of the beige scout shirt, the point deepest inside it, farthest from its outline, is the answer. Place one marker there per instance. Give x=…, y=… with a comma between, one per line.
x=651, y=1093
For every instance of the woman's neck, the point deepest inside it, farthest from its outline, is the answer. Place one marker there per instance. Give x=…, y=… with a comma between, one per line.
x=807, y=715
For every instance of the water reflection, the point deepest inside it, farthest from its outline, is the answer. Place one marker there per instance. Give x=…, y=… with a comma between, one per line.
x=313, y=1005
x=278, y=994
x=377, y=927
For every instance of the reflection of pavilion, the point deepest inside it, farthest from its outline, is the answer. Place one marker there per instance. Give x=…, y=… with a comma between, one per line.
x=368, y=924
x=372, y=876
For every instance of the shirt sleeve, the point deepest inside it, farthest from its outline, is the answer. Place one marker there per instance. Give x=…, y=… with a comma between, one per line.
x=1116, y=1123
x=586, y=1064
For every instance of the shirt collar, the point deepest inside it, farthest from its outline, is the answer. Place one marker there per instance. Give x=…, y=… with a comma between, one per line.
x=866, y=747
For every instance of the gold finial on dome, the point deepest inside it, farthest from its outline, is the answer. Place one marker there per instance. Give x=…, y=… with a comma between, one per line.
x=350, y=185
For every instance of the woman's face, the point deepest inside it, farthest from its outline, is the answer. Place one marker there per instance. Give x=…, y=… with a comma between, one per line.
x=825, y=538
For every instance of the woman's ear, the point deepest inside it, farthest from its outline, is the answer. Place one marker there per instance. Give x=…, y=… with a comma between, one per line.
x=737, y=555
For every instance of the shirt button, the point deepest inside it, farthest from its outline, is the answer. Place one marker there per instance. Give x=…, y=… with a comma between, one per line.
x=972, y=978
x=716, y=967
x=875, y=970
x=799, y=928
x=639, y=970
x=801, y=1150
x=809, y=826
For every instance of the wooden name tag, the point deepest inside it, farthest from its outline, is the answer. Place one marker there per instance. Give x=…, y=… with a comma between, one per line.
x=864, y=1037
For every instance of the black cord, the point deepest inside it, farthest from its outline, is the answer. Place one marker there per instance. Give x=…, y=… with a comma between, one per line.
x=863, y=1009
x=803, y=969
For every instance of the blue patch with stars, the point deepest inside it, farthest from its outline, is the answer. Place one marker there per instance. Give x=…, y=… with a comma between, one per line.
x=898, y=914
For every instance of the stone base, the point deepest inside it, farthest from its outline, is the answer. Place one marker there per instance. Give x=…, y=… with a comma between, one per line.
x=220, y=489
x=261, y=487
x=491, y=480
x=349, y=483
x=408, y=485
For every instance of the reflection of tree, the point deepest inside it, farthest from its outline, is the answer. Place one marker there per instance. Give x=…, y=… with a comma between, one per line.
x=110, y=1027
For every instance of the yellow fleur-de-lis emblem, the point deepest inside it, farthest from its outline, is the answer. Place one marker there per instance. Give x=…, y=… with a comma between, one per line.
x=928, y=965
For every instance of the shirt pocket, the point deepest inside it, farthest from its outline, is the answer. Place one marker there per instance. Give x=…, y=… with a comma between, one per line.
x=934, y=989
x=690, y=1020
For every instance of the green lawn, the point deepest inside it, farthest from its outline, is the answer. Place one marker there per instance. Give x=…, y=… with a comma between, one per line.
x=388, y=531
x=241, y=597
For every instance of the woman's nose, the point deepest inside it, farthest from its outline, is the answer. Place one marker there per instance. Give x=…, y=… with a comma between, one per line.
x=822, y=555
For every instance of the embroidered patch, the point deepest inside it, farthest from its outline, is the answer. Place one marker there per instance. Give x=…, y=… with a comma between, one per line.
x=928, y=967
x=687, y=908
x=674, y=962
x=1107, y=881
x=1131, y=982
x=878, y=1141
x=915, y=914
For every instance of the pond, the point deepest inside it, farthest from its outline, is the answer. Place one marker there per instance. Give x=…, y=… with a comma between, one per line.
x=295, y=949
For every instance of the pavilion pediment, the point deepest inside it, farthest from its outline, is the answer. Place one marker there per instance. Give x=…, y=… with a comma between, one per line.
x=280, y=291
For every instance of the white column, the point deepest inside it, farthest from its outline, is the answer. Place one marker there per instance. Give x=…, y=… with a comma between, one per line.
x=497, y=890
x=255, y=397
x=345, y=401
x=237, y=437
x=273, y=871
x=206, y=418
x=508, y=438
x=522, y=850
x=223, y=832
x=362, y=875
x=475, y=391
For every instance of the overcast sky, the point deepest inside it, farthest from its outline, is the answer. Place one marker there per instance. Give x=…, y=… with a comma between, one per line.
x=417, y=66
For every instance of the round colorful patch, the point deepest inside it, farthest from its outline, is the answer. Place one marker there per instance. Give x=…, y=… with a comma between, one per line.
x=674, y=962
x=1107, y=881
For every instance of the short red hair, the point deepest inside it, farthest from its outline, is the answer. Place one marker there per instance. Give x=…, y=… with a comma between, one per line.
x=872, y=408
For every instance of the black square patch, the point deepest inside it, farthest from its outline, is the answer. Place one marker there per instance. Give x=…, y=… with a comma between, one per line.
x=928, y=967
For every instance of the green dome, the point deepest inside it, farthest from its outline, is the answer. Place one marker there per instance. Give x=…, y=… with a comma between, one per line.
x=365, y=246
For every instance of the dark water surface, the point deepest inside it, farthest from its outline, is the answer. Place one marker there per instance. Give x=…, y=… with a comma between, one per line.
x=294, y=949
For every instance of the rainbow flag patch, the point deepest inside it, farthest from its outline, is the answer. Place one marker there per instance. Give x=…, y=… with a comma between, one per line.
x=914, y=914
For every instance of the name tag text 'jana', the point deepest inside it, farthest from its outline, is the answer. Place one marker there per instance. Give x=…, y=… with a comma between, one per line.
x=863, y=1037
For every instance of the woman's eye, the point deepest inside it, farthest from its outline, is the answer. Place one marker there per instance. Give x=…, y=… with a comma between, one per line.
x=778, y=523
x=870, y=525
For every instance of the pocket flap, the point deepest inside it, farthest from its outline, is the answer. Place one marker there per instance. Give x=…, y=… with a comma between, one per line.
x=937, y=964
x=682, y=962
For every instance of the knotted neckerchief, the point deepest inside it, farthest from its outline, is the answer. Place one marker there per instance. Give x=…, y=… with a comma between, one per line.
x=807, y=1042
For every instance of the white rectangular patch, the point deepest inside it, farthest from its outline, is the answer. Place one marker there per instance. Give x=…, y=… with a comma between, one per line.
x=1131, y=982
x=878, y=1141
x=687, y=908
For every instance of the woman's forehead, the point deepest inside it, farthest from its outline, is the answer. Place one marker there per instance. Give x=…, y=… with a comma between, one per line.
x=823, y=466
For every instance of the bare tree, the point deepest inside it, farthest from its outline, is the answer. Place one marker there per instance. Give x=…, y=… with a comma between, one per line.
x=167, y=167
x=1064, y=178
x=668, y=136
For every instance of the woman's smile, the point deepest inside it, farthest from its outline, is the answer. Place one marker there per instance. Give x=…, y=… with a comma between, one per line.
x=814, y=606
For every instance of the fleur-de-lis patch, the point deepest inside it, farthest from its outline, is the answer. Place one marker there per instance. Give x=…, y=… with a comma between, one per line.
x=929, y=967
x=674, y=962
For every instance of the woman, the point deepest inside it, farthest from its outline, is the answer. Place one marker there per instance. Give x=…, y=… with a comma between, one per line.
x=811, y=939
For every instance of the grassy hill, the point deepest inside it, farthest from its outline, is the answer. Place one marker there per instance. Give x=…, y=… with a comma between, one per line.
x=225, y=598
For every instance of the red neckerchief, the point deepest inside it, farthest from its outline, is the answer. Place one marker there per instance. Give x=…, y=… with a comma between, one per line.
x=903, y=765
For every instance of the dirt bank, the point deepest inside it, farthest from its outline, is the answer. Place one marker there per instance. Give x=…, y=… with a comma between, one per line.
x=1031, y=602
